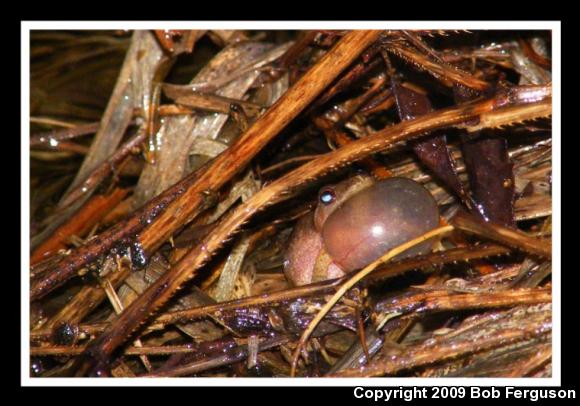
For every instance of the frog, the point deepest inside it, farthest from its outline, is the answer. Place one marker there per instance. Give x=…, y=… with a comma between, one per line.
x=354, y=223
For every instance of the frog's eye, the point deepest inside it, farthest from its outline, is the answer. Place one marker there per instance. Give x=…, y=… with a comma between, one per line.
x=327, y=196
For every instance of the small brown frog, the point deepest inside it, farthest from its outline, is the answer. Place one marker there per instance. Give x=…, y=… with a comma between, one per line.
x=356, y=221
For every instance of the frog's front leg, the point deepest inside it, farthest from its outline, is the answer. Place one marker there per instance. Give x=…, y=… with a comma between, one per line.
x=306, y=260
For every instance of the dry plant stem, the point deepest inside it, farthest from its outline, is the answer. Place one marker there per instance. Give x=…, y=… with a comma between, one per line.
x=170, y=282
x=210, y=102
x=294, y=52
x=51, y=121
x=401, y=329
x=534, y=56
x=378, y=170
x=541, y=358
x=446, y=73
x=420, y=44
x=442, y=300
x=199, y=185
x=168, y=110
x=446, y=351
x=345, y=111
x=48, y=137
x=230, y=357
x=84, y=302
x=431, y=260
x=356, y=73
x=503, y=235
x=118, y=308
x=103, y=170
x=63, y=350
x=91, y=213
x=437, y=259
x=287, y=162
x=362, y=336
x=63, y=146
x=353, y=281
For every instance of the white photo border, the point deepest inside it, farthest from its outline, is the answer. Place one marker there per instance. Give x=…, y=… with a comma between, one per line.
x=554, y=26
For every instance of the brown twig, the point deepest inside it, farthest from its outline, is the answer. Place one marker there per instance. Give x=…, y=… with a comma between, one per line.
x=503, y=235
x=442, y=300
x=48, y=137
x=89, y=215
x=448, y=74
x=419, y=356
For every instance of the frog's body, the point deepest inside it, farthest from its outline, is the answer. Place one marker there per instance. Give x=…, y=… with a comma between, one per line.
x=355, y=222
